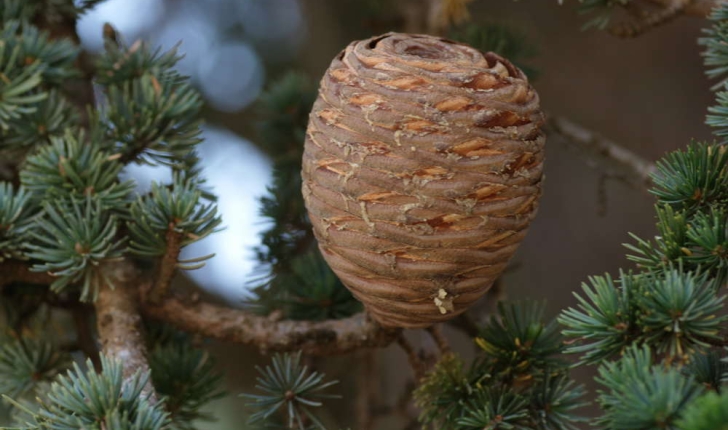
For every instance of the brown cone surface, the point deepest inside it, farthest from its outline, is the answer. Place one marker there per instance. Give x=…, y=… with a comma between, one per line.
x=421, y=173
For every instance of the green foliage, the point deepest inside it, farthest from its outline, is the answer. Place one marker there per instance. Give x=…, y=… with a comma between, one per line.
x=709, y=244
x=718, y=116
x=289, y=385
x=680, y=313
x=98, y=401
x=65, y=217
x=495, y=409
x=504, y=40
x=640, y=395
x=716, y=45
x=55, y=56
x=25, y=363
x=553, y=403
x=17, y=91
x=692, y=186
x=669, y=246
x=29, y=60
x=313, y=292
x=15, y=216
x=186, y=379
x=283, y=111
x=444, y=394
x=49, y=119
x=176, y=209
x=602, y=11
x=606, y=319
x=120, y=64
x=519, y=342
x=153, y=120
x=675, y=312
x=16, y=10
x=716, y=60
x=708, y=369
x=695, y=244
x=516, y=382
x=693, y=178
x=70, y=167
x=72, y=240
x=708, y=412
x=296, y=281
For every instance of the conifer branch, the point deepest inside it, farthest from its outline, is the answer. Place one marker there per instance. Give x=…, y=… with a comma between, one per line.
x=167, y=265
x=615, y=160
x=329, y=337
x=120, y=325
x=318, y=338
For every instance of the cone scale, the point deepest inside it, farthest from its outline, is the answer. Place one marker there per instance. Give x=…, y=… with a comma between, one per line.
x=421, y=173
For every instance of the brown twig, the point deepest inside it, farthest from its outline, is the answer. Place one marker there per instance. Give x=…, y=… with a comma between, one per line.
x=234, y=325
x=418, y=366
x=167, y=265
x=329, y=337
x=440, y=340
x=120, y=324
x=614, y=160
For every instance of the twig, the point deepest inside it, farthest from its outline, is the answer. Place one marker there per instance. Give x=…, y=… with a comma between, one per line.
x=329, y=337
x=167, y=265
x=84, y=335
x=615, y=160
x=418, y=366
x=120, y=324
x=440, y=340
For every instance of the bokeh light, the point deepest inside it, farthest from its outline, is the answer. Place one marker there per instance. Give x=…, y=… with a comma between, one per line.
x=231, y=77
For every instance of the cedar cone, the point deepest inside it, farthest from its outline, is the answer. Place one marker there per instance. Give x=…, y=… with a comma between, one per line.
x=421, y=173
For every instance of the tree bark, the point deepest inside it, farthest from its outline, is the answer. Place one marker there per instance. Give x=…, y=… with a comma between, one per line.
x=318, y=338
x=120, y=324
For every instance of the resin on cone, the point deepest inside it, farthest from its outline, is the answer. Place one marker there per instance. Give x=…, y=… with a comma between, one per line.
x=421, y=173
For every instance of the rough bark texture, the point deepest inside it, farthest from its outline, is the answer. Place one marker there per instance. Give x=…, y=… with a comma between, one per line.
x=119, y=323
x=422, y=171
x=233, y=325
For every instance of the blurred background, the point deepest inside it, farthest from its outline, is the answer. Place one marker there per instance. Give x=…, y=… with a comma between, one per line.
x=648, y=94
